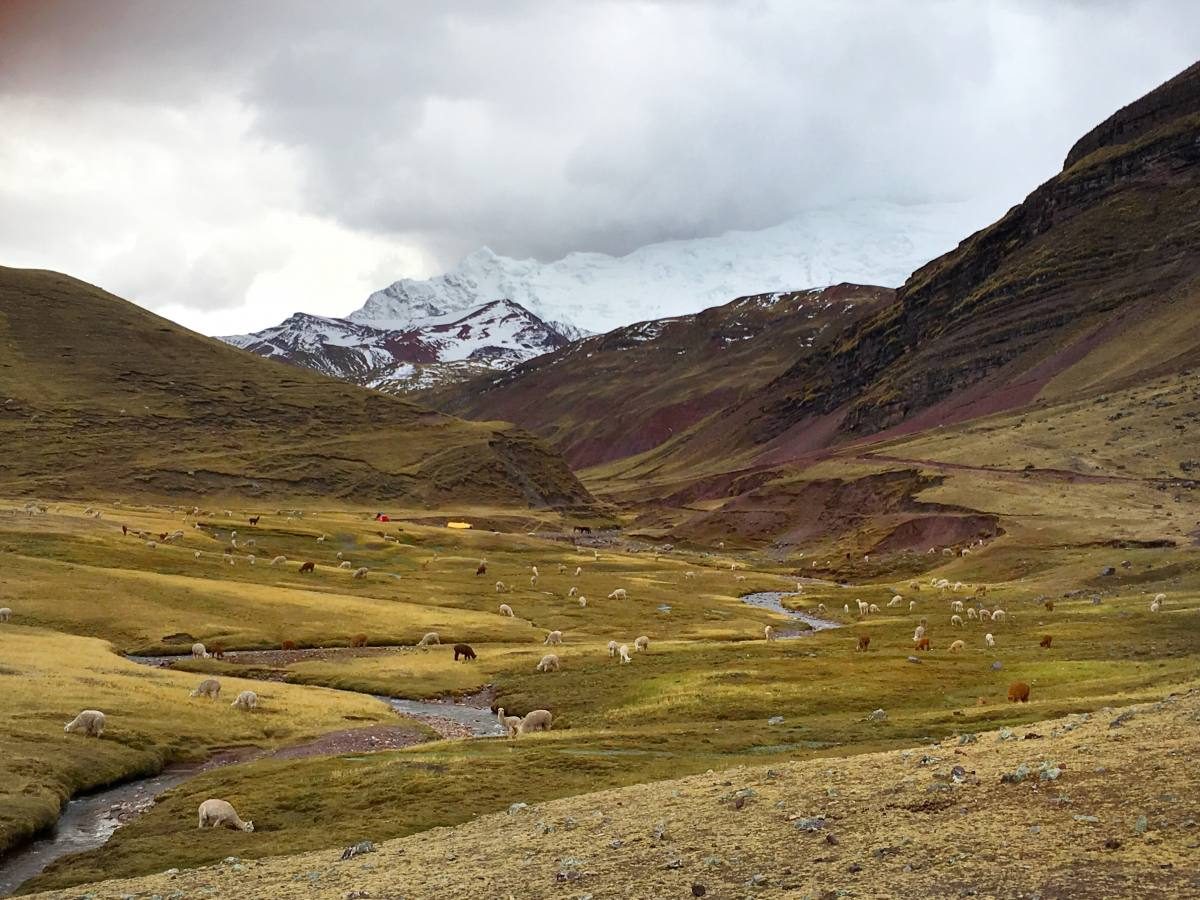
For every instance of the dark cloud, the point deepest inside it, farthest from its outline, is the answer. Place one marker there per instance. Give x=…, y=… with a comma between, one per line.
x=540, y=128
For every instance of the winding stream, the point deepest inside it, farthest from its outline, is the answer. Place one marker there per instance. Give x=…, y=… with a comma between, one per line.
x=773, y=600
x=89, y=821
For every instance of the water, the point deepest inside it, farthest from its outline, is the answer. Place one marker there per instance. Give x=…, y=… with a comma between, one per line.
x=481, y=721
x=89, y=821
x=773, y=600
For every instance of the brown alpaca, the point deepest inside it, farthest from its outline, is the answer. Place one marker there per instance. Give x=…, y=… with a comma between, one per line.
x=981, y=701
x=864, y=642
x=124, y=529
x=1018, y=692
x=1049, y=604
x=465, y=651
x=1047, y=639
x=923, y=644
x=254, y=520
x=359, y=640
x=308, y=567
x=216, y=651
x=481, y=569
x=288, y=645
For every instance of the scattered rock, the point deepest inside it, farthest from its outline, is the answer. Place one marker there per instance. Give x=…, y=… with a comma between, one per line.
x=358, y=849
x=1049, y=771
x=877, y=716
x=814, y=823
x=516, y=808
x=775, y=720
x=1122, y=719
x=964, y=739
x=1112, y=844
x=914, y=659
x=1016, y=776
x=1091, y=820
x=1140, y=826
x=1108, y=571
x=699, y=890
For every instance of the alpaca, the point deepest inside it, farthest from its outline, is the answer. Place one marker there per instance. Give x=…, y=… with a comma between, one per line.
x=1047, y=640
x=209, y=687
x=246, y=700
x=549, y=663
x=430, y=638
x=1018, y=692
x=465, y=651
x=481, y=569
x=538, y=720
x=506, y=610
x=989, y=640
x=220, y=812
x=512, y=724
x=957, y=646
x=612, y=648
x=864, y=643
x=90, y=722
x=554, y=637
x=623, y=651
x=642, y=644
x=768, y=632
x=308, y=567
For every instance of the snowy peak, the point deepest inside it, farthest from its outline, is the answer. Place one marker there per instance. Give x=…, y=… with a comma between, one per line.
x=448, y=343
x=864, y=243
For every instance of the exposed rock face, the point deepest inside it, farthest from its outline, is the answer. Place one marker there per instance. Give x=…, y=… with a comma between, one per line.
x=1115, y=234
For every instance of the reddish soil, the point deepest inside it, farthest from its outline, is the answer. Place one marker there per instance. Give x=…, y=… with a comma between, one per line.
x=938, y=531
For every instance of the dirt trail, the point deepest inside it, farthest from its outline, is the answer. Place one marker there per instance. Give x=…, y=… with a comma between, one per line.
x=1064, y=475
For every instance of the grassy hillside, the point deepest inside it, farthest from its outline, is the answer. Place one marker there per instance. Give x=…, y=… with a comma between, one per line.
x=625, y=392
x=98, y=393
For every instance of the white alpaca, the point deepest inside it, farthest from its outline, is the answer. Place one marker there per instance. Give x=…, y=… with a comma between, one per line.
x=846, y=608
x=553, y=638
x=998, y=615
x=501, y=587
x=768, y=632
x=971, y=614
x=820, y=607
x=562, y=569
x=612, y=648
x=220, y=812
x=5, y=614
x=246, y=700
x=623, y=652
x=984, y=615
x=957, y=606
x=199, y=652
x=689, y=574
x=641, y=644
x=538, y=720
x=957, y=646
x=550, y=663
x=578, y=571
x=739, y=577
x=430, y=638
x=618, y=594
x=339, y=554
x=534, y=570
x=912, y=604
x=1160, y=598
x=360, y=572
x=572, y=592
x=956, y=620
x=874, y=608
x=583, y=601
x=512, y=724
x=1155, y=606
x=345, y=564
x=506, y=610
x=896, y=601
x=90, y=722
x=863, y=607
x=209, y=687
x=151, y=544
x=279, y=560
x=196, y=554
x=989, y=640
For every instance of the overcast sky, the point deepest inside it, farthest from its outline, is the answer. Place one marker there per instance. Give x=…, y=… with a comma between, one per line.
x=227, y=163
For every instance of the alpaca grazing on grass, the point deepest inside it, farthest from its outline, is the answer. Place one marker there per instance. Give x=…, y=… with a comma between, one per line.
x=465, y=651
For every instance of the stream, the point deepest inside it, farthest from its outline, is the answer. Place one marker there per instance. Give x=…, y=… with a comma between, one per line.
x=773, y=600
x=88, y=821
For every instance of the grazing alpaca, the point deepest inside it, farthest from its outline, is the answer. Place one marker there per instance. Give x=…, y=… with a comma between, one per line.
x=1049, y=604
x=90, y=722
x=923, y=644
x=220, y=812
x=1018, y=692
x=554, y=637
x=550, y=663
x=612, y=648
x=768, y=632
x=1047, y=640
x=506, y=610
x=307, y=567
x=359, y=640
x=465, y=651
x=864, y=643
x=957, y=646
x=481, y=569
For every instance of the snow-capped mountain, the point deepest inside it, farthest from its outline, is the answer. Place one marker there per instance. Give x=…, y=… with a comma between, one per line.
x=863, y=243
x=422, y=351
x=492, y=312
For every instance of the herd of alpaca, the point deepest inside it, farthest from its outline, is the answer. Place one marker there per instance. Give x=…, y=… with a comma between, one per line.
x=214, y=813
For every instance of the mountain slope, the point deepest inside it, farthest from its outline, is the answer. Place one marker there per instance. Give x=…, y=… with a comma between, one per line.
x=1090, y=285
x=98, y=396
x=864, y=243
x=424, y=352
x=1109, y=244
x=621, y=393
